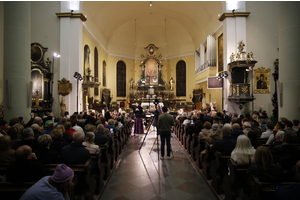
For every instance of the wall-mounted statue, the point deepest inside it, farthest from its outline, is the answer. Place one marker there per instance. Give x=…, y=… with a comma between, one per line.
x=63, y=106
x=172, y=83
x=131, y=82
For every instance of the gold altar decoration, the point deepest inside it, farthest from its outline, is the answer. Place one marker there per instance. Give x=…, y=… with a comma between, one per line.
x=64, y=87
x=262, y=80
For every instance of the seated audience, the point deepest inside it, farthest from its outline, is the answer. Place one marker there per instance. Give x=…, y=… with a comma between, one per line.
x=100, y=137
x=73, y=120
x=75, y=153
x=264, y=168
x=66, y=136
x=89, y=143
x=25, y=168
x=39, y=121
x=29, y=139
x=36, y=130
x=226, y=144
x=49, y=125
x=296, y=124
x=58, y=142
x=111, y=124
x=246, y=128
x=243, y=152
x=279, y=127
x=7, y=155
x=206, y=131
x=286, y=148
x=3, y=127
x=269, y=132
x=215, y=135
x=236, y=131
x=278, y=138
x=252, y=135
x=289, y=128
x=15, y=136
x=69, y=129
x=44, y=153
x=52, y=187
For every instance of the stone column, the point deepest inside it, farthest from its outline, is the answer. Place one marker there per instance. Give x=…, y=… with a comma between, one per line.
x=17, y=66
x=234, y=30
x=289, y=42
x=71, y=51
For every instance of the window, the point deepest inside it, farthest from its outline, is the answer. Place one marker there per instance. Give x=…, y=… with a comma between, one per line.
x=104, y=73
x=181, y=79
x=121, y=79
x=96, y=89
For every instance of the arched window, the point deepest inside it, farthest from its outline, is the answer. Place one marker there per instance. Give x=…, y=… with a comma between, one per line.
x=121, y=79
x=96, y=72
x=104, y=73
x=181, y=79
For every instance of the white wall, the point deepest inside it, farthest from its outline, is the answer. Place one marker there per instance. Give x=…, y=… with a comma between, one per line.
x=45, y=29
x=263, y=41
x=1, y=52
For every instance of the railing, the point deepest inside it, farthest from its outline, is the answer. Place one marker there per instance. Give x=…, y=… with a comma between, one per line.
x=207, y=64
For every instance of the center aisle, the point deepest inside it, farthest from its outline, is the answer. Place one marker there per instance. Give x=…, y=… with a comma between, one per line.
x=144, y=177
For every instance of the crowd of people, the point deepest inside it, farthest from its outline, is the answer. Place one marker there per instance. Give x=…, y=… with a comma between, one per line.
x=26, y=148
x=242, y=137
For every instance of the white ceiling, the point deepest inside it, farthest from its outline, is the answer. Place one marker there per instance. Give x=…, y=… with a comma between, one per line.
x=176, y=27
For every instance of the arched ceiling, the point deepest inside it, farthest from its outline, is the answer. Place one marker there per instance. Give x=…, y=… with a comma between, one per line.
x=176, y=27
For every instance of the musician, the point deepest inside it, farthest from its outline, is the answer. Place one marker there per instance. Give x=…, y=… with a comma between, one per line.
x=138, y=125
x=212, y=107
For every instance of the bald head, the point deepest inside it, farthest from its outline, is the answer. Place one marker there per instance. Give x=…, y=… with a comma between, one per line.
x=78, y=137
x=23, y=153
x=36, y=128
x=100, y=127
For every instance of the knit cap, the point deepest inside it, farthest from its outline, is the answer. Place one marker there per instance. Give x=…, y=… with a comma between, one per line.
x=62, y=173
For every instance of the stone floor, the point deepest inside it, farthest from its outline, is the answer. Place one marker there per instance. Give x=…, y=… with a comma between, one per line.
x=145, y=177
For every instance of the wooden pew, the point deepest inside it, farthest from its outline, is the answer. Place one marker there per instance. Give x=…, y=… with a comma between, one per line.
x=13, y=190
x=235, y=179
x=101, y=171
x=262, y=189
x=219, y=163
x=106, y=158
x=205, y=161
x=81, y=172
x=200, y=147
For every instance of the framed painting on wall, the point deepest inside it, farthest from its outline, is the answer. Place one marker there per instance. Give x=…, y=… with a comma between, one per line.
x=220, y=53
x=262, y=80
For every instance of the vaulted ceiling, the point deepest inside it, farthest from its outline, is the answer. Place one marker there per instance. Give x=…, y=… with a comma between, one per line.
x=176, y=27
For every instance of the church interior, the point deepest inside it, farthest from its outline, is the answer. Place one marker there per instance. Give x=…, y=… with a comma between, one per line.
x=84, y=56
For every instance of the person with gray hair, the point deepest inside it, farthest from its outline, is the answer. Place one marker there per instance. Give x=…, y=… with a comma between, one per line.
x=89, y=143
x=100, y=137
x=37, y=130
x=29, y=139
x=75, y=153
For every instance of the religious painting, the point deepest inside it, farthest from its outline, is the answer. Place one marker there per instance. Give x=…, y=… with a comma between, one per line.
x=37, y=83
x=151, y=72
x=262, y=80
x=220, y=53
x=86, y=57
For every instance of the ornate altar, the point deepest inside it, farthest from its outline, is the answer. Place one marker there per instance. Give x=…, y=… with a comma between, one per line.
x=41, y=76
x=239, y=66
x=151, y=81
